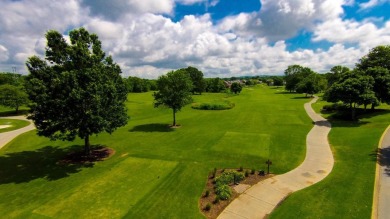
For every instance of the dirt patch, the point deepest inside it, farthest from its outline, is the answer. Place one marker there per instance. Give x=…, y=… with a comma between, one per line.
x=217, y=208
x=98, y=153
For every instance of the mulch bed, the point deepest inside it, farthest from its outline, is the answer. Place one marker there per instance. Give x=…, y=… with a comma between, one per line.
x=98, y=153
x=217, y=208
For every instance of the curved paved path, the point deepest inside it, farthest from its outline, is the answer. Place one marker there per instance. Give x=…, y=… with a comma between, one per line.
x=381, y=201
x=6, y=137
x=259, y=200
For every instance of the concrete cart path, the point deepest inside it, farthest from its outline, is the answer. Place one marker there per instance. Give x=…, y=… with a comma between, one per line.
x=6, y=137
x=381, y=201
x=259, y=200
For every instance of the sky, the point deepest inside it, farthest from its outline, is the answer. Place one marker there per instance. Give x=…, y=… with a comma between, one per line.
x=222, y=38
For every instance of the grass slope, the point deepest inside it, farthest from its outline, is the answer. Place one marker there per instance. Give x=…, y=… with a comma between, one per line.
x=347, y=192
x=156, y=172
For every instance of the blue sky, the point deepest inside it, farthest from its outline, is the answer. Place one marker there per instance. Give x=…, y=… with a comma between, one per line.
x=223, y=38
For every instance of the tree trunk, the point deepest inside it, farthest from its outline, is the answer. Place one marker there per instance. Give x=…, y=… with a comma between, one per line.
x=353, y=113
x=17, y=109
x=372, y=106
x=87, y=146
x=174, y=117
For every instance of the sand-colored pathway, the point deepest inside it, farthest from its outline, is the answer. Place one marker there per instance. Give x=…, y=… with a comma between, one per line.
x=381, y=202
x=6, y=137
x=259, y=200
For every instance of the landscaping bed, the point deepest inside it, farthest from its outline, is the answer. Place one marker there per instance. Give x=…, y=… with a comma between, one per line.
x=211, y=205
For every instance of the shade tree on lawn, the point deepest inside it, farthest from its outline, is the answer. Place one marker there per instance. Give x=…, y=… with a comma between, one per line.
x=295, y=74
x=12, y=96
x=236, y=87
x=353, y=89
x=173, y=91
x=198, y=82
x=76, y=90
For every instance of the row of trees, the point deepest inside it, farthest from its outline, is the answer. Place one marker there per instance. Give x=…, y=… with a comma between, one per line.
x=367, y=84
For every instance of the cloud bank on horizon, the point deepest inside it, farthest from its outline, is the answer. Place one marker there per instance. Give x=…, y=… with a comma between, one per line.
x=222, y=38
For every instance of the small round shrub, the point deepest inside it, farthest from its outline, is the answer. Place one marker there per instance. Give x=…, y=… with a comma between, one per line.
x=223, y=192
x=207, y=193
x=253, y=171
x=241, y=169
x=207, y=207
x=246, y=173
x=216, y=200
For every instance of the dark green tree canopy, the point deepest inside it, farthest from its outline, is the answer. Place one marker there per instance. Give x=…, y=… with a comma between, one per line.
x=236, y=87
x=353, y=89
x=311, y=84
x=12, y=96
x=77, y=90
x=173, y=91
x=198, y=82
x=295, y=74
x=377, y=57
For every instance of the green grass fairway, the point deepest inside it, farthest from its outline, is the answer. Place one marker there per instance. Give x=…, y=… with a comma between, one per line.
x=14, y=124
x=156, y=172
x=348, y=191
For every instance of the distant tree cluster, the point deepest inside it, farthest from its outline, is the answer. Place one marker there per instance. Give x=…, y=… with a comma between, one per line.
x=139, y=85
x=304, y=80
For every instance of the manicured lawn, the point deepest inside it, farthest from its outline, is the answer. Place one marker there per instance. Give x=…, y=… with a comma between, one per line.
x=13, y=123
x=347, y=192
x=156, y=172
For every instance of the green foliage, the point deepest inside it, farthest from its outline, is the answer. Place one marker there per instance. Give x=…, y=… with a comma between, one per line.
x=277, y=81
x=12, y=96
x=236, y=87
x=246, y=173
x=198, y=82
x=213, y=106
x=11, y=79
x=377, y=57
x=76, y=90
x=173, y=91
x=253, y=171
x=335, y=73
x=207, y=193
x=381, y=86
x=223, y=192
x=229, y=177
x=215, y=85
x=216, y=200
x=352, y=89
x=311, y=84
x=294, y=74
x=207, y=207
x=138, y=85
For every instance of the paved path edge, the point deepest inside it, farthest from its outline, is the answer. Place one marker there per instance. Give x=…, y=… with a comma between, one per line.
x=375, y=200
x=7, y=137
x=258, y=202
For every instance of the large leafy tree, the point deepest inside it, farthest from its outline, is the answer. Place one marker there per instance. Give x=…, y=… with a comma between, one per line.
x=173, y=91
x=236, y=87
x=198, y=82
x=295, y=74
x=353, y=89
x=77, y=90
x=12, y=96
x=377, y=65
x=335, y=73
x=311, y=84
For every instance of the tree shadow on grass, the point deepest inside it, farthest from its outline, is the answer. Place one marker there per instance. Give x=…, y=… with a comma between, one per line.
x=382, y=156
x=13, y=113
x=154, y=127
x=45, y=163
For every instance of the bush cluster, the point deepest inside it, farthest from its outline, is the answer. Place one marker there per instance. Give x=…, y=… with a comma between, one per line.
x=222, y=182
x=213, y=106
